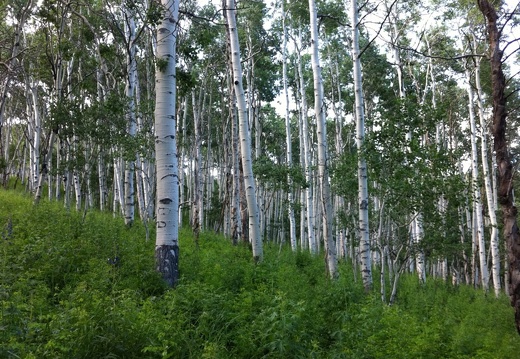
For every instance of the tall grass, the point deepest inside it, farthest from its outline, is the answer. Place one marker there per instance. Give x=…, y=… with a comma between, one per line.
x=85, y=287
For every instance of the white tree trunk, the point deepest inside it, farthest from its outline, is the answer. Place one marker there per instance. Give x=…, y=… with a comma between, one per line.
x=288, y=143
x=12, y=63
x=307, y=166
x=366, y=267
x=323, y=171
x=494, y=243
x=484, y=275
x=245, y=139
x=236, y=214
x=197, y=193
x=45, y=166
x=131, y=68
x=182, y=176
x=418, y=234
x=304, y=225
x=167, y=237
x=141, y=188
x=36, y=137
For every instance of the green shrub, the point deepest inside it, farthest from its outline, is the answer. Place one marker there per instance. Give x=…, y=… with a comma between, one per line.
x=85, y=287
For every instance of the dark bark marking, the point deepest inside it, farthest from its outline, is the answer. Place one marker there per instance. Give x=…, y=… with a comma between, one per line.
x=167, y=263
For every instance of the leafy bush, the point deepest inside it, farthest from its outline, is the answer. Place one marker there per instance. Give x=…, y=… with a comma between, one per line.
x=85, y=287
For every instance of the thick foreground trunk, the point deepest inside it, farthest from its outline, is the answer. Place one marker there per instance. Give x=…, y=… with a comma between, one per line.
x=505, y=168
x=167, y=209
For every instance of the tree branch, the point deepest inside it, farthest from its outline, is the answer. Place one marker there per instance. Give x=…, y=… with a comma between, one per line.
x=510, y=16
x=458, y=57
x=379, y=30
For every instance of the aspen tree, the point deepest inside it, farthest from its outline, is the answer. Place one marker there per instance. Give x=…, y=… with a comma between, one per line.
x=484, y=275
x=131, y=126
x=244, y=133
x=366, y=267
x=12, y=63
x=236, y=214
x=307, y=165
x=290, y=193
x=416, y=227
x=167, y=237
x=102, y=92
x=323, y=171
x=58, y=90
x=197, y=192
x=495, y=252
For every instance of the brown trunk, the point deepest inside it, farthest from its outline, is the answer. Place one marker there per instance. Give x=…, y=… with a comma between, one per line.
x=505, y=168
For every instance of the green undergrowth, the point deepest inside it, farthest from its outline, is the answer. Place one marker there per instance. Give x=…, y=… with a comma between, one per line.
x=75, y=286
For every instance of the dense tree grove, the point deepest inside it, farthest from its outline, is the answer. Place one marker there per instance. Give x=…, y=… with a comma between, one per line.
x=381, y=134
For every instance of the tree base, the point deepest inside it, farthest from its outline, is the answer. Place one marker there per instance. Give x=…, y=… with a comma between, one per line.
x=167, y=263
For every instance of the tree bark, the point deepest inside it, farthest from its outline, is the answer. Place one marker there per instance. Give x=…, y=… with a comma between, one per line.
x=290, y=192
x=307, y=165
x=505, y=168
x=244, y=133
x=484, y=272
x=323, y=152
x=131, y=69
x=167, y=238
x=366, y=267
x=494, y=244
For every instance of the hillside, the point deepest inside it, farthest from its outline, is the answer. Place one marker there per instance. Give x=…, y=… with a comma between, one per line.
x=75, y=285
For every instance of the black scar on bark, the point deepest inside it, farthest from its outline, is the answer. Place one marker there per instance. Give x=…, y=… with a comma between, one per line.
x=167, y=263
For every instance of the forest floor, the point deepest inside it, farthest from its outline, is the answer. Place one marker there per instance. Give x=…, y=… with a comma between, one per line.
x=82, y=285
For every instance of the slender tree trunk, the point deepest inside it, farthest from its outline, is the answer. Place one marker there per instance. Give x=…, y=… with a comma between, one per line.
x=245, y=139
x=45, y=166
x=495, y=252
x=304, y=224
x=323, y=153
x=12, y=64
x=366, y=267
x=36, y=137
x=182, y=147
x=311, y=220
x=484, y=275
x=167, y=237
x=505, y=168
x=197, y=171
x=131, y=69
x=288, y=143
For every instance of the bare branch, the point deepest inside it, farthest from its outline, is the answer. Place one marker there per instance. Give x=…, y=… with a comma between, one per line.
x=379, y=30
x=447, y=58
x=512, y=93
x=335, y=18
x=194, y=16
x=509, y=17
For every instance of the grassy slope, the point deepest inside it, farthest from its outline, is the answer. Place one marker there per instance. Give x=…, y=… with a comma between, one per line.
x=61, y=298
